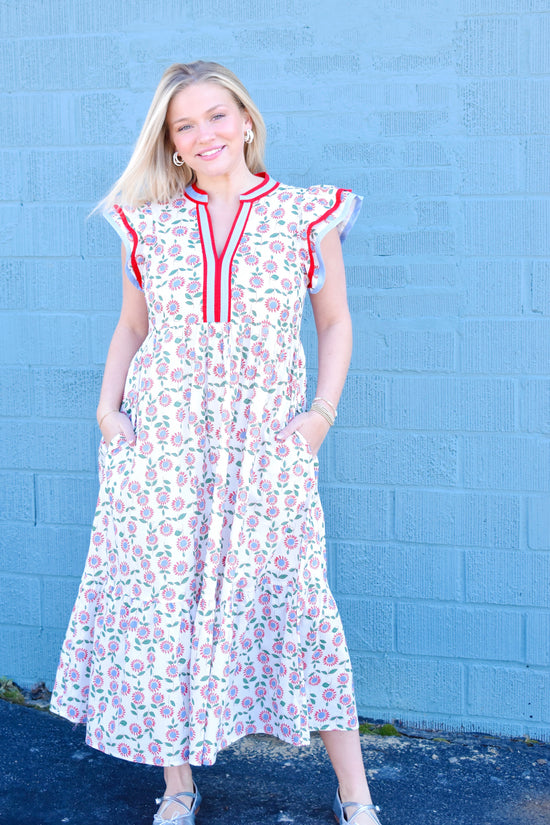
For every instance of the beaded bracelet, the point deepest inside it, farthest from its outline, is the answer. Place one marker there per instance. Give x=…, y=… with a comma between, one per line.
x=326, y=401
x=103, y=417
x=323, y=411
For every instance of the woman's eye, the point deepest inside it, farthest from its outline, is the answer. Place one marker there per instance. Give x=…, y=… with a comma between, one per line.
x=218, y=115
x=184, y=127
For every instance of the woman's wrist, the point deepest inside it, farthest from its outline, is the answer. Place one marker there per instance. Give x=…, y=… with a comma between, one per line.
x=321, y=407
x=103, y=413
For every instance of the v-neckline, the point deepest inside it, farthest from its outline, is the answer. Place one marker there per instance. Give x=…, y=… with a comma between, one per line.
x=217, y=267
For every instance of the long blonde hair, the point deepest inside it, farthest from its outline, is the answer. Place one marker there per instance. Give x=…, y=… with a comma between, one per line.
x=151, y=174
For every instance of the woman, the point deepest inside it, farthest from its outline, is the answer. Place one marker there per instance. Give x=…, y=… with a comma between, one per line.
x=204, y=612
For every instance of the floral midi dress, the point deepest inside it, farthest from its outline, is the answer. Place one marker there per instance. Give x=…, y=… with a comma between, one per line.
x=204, y=612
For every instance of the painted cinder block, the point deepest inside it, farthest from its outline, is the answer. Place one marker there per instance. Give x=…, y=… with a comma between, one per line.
x=452, y=403
x=15, y=392
x=492, y=287
x=506, y=227
x=506, y=347
x=44, y=550
x=356, y=512
x=540, y=287
x=402, y=350
x=364, y=402
x=20, y=599
x=58, y=596
x=49, y=445
x=459, y=633
x=538, y=638
x=65, y=499
x=44, y=339
x=534, y=410
x=368, y=625
x=538, y=522
x=539, y=38
x=14, y=285
x=506, y=462
x=73, y=175
x=456, y=518
x=507, y=578
x=66, y=393
x=74, y=284
x=426, y=153
x=404, y=684
x=419, y=242
x=489, y=166
x=410, y=182
x=45, y=64
x=509, y=693
x=30, y=652
x=17, y=497
x=537, y=164
x=395, y=124
x=433, y=213
x=506, y=106
x=376, y=276
x=385, y=458
x=415, y=306
x=397, y=572
x=488, y=47
x=58, y=235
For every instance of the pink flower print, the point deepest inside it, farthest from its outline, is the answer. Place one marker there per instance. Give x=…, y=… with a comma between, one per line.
x=256, y=282
x=281, y=563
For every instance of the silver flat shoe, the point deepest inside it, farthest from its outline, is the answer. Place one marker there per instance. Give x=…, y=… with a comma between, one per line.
x=187, y=817
x=339, y=811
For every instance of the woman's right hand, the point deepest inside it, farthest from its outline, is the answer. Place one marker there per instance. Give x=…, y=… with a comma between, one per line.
x=117, y=422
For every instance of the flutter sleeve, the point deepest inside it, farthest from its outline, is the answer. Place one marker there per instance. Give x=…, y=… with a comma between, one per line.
x=123, y=223
x=323, y=208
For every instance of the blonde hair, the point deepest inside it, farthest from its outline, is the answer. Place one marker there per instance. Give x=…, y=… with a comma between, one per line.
x=151, y=174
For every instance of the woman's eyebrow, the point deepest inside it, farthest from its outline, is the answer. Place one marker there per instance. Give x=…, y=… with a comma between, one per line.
x=211, y=109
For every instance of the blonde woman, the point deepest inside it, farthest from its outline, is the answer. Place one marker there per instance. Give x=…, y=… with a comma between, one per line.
x=204, y=612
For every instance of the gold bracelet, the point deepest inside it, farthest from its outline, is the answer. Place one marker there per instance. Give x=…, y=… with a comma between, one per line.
x=318, y=408
x=331, y=405
x=103, y=417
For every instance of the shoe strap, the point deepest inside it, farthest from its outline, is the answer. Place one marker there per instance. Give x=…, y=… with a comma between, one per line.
x=361, y=808
x=175, y=799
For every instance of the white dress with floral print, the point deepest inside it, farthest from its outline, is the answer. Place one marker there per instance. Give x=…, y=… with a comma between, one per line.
x=204, y=612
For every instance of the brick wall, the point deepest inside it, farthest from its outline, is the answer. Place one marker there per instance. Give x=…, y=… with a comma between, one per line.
x=436, y=480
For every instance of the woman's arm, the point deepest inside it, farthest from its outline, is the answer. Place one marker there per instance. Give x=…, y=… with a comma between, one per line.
x=334, y=342
x=127, y=338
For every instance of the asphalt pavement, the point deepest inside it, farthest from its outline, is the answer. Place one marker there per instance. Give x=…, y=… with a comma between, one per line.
x=48, y=776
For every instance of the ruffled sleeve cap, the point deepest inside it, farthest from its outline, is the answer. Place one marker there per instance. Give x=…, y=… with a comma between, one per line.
x=126, y=223
x=322, y=209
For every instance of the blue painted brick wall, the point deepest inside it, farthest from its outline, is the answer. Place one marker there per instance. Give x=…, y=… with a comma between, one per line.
x=436, y=479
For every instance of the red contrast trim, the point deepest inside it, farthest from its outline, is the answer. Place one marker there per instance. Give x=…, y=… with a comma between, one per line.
x=204, y=270
x=230, y=267
x=324, y=216
x=133, y=233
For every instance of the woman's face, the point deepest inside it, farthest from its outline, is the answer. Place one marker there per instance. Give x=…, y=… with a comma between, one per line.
x=207, y=129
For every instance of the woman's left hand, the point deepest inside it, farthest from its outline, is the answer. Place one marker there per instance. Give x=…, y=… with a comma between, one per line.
x=312, y=427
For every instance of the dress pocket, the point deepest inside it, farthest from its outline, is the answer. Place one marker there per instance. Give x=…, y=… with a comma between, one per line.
x=302, y=442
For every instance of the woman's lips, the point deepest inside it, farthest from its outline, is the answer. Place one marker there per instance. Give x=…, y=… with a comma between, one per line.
x=210, y=154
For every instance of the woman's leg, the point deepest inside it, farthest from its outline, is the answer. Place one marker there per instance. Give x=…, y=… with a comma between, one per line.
x=344, y=750
x=178, y=778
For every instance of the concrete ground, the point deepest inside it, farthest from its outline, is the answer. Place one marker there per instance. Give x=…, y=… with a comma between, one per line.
x=48, y=776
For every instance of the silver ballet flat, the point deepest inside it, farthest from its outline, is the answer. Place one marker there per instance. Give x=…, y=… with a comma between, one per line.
x=339, y=811
x=189, y=811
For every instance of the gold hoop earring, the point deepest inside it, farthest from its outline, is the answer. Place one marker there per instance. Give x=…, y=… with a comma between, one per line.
x=177, y=161
x=248, y=136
